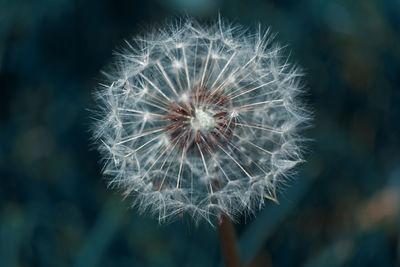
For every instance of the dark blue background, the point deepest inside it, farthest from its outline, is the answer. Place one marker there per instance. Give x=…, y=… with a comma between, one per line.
x=343, y=209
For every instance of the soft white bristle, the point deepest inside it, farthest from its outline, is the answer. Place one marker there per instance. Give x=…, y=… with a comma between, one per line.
x=201, y=120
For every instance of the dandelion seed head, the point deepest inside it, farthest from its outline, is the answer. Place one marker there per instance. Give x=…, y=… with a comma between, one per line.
x=200, y=120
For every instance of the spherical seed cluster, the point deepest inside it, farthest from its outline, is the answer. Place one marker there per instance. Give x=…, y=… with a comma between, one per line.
x=200, y=120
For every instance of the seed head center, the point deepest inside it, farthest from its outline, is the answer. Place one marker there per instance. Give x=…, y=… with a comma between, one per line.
x=203, y=120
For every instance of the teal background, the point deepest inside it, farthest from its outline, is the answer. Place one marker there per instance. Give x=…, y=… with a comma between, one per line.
x=342, y=209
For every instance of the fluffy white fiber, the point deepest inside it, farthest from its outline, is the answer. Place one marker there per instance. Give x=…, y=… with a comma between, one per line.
x=200, y=120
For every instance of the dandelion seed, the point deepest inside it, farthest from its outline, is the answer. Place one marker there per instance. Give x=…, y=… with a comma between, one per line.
x=200, y=120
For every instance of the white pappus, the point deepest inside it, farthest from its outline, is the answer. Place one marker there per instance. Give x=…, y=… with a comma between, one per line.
x=200, y=120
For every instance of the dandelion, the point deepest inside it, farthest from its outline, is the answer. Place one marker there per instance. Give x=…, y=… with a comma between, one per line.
x=200, y=120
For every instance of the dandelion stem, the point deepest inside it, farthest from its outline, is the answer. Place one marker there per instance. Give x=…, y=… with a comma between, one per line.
x=227, y=236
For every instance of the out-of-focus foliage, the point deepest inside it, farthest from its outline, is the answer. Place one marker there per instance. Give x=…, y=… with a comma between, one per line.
x=343, y=209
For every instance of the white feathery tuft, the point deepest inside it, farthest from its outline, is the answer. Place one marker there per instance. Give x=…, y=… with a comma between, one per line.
x=200, y=120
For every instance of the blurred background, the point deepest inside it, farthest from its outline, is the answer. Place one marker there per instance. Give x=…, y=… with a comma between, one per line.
x=342, y=209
